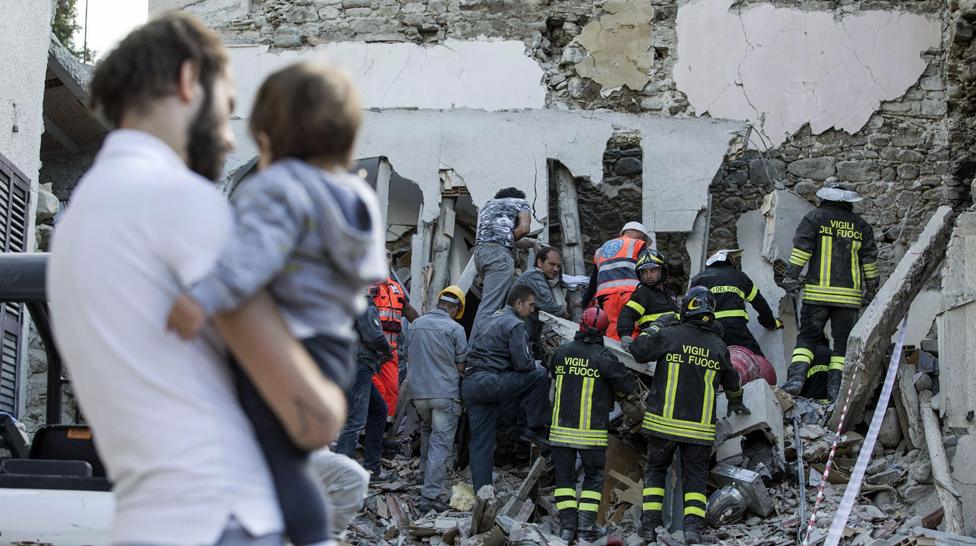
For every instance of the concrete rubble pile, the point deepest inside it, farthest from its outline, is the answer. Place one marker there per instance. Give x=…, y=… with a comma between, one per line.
x=919, y=485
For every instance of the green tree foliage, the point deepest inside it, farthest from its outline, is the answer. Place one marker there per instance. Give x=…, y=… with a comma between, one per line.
x=65, y=26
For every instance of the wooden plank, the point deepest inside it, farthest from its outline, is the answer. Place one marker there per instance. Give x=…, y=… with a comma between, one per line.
x=951, y=504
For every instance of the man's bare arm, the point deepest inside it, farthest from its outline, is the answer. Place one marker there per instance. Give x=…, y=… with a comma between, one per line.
x=310, y=407
x=524, y=225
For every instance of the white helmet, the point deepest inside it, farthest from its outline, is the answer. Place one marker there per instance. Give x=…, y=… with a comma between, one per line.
x=724, y=255
x=833, y=190
x=636, y=226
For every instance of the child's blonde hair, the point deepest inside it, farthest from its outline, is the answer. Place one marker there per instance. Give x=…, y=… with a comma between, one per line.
x=308, y=111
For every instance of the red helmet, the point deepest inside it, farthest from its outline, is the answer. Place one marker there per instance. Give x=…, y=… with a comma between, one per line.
x=595, y=318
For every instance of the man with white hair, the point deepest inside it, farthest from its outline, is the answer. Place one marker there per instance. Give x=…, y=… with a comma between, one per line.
x=614, y=277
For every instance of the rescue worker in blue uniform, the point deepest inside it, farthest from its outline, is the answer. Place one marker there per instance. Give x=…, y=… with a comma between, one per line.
x=692, y=362
x=500, y=368
x=587, y=377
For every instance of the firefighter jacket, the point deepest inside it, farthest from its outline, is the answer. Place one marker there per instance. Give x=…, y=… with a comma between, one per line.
x=841, y=252
x=587, y=375
x=390, y=300
x=647, y=304
x=731, y=289
x=692, y=361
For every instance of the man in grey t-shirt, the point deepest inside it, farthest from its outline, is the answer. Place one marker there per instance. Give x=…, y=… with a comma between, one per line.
x=435, y=353
x=502, y=224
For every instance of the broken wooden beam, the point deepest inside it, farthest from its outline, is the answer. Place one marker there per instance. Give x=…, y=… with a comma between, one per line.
x=485, y=510
x=569, y=224
x=941, y=475
x=871, y=336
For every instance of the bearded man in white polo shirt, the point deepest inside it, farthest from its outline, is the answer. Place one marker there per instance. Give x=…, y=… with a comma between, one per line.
x=143, y=223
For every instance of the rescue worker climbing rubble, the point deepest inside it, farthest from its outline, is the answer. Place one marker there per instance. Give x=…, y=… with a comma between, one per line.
x=587, y=377
x=731, y=289
x=651, y=300
x=614, y=276
x=839, y=245
x=692, y=361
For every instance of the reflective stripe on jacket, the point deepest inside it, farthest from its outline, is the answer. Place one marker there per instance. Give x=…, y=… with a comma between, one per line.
x=646, y=305
x=692, y=361
x=390, y=299
x=731, y=289
x=616, y=263
x=586, y=375
x=840, y=249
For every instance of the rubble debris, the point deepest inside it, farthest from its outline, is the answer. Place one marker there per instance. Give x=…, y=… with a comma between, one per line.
x=749, y=483
x=484, y=511
x=871, y=336
x=766, y=415
x=462, y=497
x=567, y=330
x=890, y=433
x=725, y=506
x=940, y=466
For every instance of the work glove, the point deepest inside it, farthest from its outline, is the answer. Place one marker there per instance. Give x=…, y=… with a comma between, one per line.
x=625, y=342
x=736, y=406
x=778, y=325
x=870, y=291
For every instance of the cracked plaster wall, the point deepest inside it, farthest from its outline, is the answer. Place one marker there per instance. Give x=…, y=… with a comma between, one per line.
x=783, y=68
x=901, y=158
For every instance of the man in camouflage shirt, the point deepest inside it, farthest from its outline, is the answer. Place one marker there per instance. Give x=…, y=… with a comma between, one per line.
x=502, y=224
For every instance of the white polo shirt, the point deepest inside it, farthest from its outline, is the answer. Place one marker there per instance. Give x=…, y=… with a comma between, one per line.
x=166, y=421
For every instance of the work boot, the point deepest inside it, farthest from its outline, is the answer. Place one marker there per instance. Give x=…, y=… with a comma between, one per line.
x=650, y=521
x=693, y=531
x=587, y=526
x=796, y=375
x=567, y=534
x=834, y=378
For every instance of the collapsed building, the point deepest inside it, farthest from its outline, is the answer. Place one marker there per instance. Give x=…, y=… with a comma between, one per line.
x=713, y=122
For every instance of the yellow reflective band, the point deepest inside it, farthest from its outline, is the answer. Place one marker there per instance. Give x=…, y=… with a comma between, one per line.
x=595, y=495
x=871, y=270
x=589, y=506
x=837, y=362
x=740, y=313
x=708, y=399
x=826, y=249
x=694, y=511
x=636, y=307
x=800, y=252
x=804, y=355
x=845, y=300
x=586, y=403
x=753, y=294
x=700, y=497
x=652, y=506
x=679, y=433
x=655, y=316
x=680, y=423
x=832, y=290
x=671, y=389
x=856, y=265
x=558, y=401
x=816, y=369
x=564, y=492
x=798, y=262
x=659, y=491
x=565, y=504
x=727, y=290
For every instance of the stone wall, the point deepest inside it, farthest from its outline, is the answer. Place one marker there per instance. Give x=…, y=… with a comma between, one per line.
x=901, y=159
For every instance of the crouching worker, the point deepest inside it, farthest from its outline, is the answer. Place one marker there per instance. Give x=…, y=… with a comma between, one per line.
x=692, y=361
x=587, y=376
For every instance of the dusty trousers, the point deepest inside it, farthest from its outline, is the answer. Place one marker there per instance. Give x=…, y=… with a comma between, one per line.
x=564, y=466
x=694, y=478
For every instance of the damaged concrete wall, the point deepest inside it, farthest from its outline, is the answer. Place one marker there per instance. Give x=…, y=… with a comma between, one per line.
x=782, y=68
x=957, y=345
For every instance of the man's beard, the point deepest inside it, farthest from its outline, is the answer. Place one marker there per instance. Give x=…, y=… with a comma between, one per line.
x=206, y=148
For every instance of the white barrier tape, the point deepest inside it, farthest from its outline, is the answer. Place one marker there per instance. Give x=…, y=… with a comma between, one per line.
x=867, y=448
x=833, y=448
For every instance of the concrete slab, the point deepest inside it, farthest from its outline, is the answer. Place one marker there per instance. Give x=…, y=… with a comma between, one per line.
x=766, y=415
x=964, y=478
x=567, y=330
x=778, y=344
x=783, y=211
x=871, y=336
x=957, y=345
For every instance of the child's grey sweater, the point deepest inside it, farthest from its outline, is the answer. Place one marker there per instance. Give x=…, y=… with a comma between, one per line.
x=313, y=238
